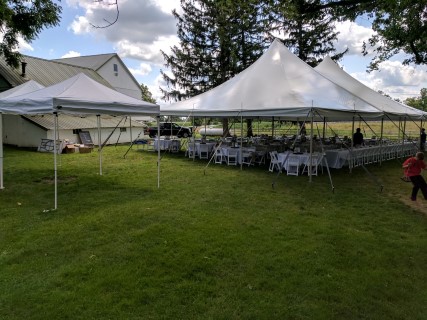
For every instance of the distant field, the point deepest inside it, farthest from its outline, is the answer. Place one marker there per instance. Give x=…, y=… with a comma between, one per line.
x=390, y=129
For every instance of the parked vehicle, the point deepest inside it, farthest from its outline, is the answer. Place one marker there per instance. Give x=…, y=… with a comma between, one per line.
x=170, y=129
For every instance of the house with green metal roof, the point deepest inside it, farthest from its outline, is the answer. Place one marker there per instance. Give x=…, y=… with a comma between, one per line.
x=107, y=69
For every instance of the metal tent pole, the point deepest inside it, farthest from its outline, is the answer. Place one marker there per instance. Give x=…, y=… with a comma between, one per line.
x=1, y=151
x=158, y=151
x=98, y=120
x=311, y=148
x=55, y=167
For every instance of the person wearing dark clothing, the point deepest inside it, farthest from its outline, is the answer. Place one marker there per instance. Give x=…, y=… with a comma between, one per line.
x=357, y=138
x=422, y=139
x=413, y=167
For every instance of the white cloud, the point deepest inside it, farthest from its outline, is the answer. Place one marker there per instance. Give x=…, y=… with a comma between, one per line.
x=71, y=54
x=351, y=36
x=146, y=51
x=144, y=69
x=142, y=29
x=24, y=45
x=395, y=79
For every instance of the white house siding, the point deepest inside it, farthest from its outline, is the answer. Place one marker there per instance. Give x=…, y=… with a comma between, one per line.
x=123, y=81
x=22, y=133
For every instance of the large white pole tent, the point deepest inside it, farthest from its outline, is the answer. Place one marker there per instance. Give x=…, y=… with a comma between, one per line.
x=280, y=85
x=79, y=95
x=24, y=88
x=334, y=73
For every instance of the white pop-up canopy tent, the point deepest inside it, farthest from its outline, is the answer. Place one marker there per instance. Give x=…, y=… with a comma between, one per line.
x=278, y=84
x=24, y=88
x=79, y=95
x=334, y=73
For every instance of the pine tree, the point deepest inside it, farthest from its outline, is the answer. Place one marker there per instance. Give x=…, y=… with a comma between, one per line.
x=308, y=33
x=218, y=39
x=146, y=94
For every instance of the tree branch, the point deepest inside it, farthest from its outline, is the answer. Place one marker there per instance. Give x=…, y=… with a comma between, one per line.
x=109, y=24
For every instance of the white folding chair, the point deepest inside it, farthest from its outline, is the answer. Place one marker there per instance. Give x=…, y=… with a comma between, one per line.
x=292, y=165
x=259, y=157
x=219, y=156
x=247, y=157
x=204, y=151
x=190, y=150
x=275, y=164
x=174, y=146
x=315, y=161
x=232, y=156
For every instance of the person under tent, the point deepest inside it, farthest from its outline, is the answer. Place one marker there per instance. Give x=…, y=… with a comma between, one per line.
x=358, y=138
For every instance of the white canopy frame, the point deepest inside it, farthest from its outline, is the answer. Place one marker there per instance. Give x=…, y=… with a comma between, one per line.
x=78, y=95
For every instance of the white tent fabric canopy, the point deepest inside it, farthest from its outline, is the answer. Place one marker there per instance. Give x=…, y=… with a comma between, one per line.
x=334, y=73
x=277, y=84
x=24, y=88
x=78, y=95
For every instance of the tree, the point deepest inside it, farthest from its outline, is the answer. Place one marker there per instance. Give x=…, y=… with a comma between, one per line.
x=146, y=94
x=399, y=26
x=418, y=102
x=26, y=19
x=308, y=34
x=218, y=39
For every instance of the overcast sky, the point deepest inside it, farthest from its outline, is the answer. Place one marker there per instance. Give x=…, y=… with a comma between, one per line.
x=145, y=27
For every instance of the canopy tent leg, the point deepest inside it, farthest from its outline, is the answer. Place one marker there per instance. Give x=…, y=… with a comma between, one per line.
x=311, y=148
x=381, y=140
x=241, y=141
x=324, y=154
x=55, y=130
x=158, y=151
x=98, y=120
x=1, y=151
x=130, y=131
x=350, y=165
x=324, y=128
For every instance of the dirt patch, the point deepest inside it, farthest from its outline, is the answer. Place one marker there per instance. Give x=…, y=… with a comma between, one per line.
x=51, y=180
x=419, y=205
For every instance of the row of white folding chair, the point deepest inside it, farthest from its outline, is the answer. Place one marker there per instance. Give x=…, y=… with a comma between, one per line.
x=229, y=157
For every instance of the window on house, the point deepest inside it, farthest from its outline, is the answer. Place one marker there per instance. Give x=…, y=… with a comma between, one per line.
x=76, y=131
x=116, y=69
x=122, y=129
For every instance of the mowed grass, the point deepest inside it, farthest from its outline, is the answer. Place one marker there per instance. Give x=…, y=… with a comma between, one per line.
x=210, y=243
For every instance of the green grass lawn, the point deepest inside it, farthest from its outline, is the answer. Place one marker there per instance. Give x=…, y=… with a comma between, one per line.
x=220, y=245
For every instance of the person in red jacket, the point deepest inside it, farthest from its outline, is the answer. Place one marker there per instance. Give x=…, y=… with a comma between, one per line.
x=413, y=167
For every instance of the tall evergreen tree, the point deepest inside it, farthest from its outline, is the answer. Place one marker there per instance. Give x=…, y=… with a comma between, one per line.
x=218, y=39
x=309, y=34
x=146, y=94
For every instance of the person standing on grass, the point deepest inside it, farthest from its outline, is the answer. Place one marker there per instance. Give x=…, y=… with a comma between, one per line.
x=423, y=139
x=413, y=167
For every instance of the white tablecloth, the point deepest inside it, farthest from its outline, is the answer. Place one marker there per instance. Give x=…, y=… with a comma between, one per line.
x=304, y=158
x=341, y=157
x=211, y=146
x=244, y=149
x=165, y=144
